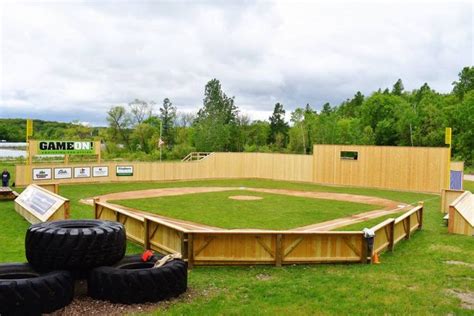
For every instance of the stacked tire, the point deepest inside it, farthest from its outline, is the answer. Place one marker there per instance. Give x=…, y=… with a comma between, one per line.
x=60, y=252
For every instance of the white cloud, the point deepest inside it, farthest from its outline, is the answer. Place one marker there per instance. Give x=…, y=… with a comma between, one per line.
x=72, y=60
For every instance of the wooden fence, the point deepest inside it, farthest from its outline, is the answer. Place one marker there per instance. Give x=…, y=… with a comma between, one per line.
x=240, y=247
x=213, y=166
x=401, y=168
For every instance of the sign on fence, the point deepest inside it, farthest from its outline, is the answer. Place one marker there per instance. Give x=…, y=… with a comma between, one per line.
x=41, y=173
x=52, y=147
x=62, y=173
x=102, y=171
x=124, y=171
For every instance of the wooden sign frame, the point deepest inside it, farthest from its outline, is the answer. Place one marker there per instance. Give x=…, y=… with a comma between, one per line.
x=56, y=207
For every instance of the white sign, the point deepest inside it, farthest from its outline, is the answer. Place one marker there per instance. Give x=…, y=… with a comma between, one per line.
x=62, y=173
x=124, y=171
x=100, y=171
x=41, y=173
x=82, y=172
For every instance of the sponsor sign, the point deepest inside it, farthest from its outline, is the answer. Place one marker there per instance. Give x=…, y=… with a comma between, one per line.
x=82, y=172
x=62, y=173
x=41, y=173
x=124, y=171
x=100, y=171
x=53, y=147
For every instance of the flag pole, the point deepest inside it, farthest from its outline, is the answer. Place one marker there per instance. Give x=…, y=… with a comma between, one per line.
x=159, y=142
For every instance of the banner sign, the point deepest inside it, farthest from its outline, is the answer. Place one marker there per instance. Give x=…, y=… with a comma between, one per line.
x=41, y=173
x=124, y=171
x=62, y=173
x=52, y=147
x=100, y=171
x=82, y=172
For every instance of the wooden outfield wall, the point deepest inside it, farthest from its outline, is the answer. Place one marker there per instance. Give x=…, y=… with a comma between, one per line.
x=418, y=169
x=242, y=247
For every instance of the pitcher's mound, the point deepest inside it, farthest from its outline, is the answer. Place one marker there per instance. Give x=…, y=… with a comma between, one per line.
x=245, y=197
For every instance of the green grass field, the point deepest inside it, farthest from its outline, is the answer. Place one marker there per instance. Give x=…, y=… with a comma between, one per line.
x=414, y=279
x=274, y=211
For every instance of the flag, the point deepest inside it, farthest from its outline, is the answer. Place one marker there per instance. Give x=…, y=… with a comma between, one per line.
x=160, y=142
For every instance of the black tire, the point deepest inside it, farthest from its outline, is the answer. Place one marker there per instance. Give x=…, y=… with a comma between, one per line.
x=78, y=245
x=23, y=291
x=132, y=281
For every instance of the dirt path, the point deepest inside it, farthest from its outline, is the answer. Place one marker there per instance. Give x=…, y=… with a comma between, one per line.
x=388, y=206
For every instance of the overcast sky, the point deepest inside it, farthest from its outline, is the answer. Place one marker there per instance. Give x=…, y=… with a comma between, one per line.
x=66, y=60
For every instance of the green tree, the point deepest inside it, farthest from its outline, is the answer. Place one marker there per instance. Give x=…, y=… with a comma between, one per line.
x=398, y=88
x=119, y=125
x=168, y=118
x=278, y=127
x=215, y=125
x=465, y=82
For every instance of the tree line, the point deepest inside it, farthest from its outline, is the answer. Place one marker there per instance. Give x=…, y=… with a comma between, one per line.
x=392, y=116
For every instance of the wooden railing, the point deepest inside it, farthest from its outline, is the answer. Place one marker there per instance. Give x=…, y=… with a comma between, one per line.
x=391, y=231
x=240, y=247
x=195, y=156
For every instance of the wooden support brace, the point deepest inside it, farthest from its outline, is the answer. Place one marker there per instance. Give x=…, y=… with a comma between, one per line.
x=292, y=246
x=153, y=233
x=203, y=246
x=348, y=242
x=267, y=249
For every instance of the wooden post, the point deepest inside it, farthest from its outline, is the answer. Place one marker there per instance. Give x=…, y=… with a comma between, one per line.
x=184, y=245
x=364, y=250
x=190, y=250
x=96, y=208
x=278, y=250
x=391, y=242
x=67, y=207
x=408, y=219
x=422, y=204
x=146, y=234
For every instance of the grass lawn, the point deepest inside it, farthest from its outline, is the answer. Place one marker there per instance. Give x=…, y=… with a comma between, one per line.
x=273, y=211
x=414, y=279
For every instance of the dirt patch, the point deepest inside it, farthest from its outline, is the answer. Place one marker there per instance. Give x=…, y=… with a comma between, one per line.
x=245, y=197
x=84, y=305
x=263, y=277
x=467, y=298
x=460, y=263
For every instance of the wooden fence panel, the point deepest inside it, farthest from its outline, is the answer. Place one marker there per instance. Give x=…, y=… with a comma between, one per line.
x=322, y=247
x=420, y=169
x=214, y=248
x=163, y=238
